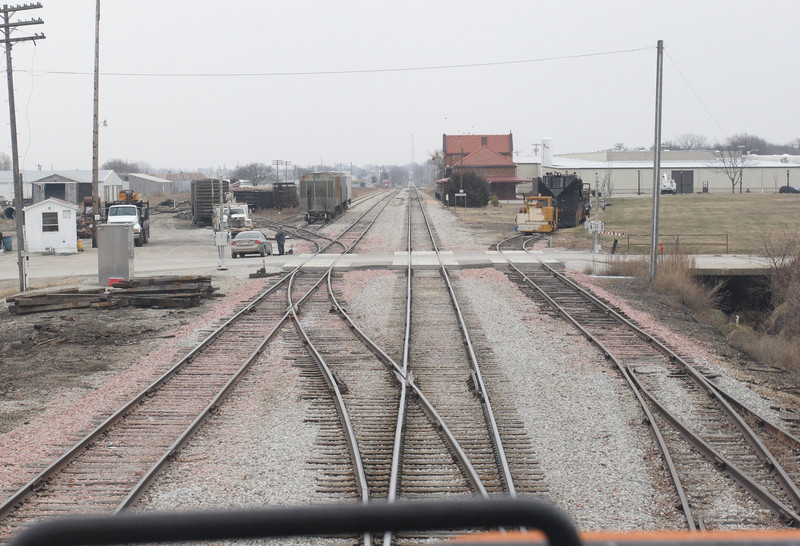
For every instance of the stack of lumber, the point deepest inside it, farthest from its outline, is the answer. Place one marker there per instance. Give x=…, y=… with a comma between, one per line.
x=185, y=291
x=54, y=300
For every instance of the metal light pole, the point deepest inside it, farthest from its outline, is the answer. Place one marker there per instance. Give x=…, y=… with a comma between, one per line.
x=657, y=158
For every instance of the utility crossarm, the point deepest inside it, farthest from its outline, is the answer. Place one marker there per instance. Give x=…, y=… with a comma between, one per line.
x=23, y=23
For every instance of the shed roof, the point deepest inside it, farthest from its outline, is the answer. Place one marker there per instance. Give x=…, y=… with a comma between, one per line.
x=29, y=177
x=52, y=201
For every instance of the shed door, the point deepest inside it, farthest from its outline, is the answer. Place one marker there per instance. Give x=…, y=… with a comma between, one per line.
x=59, y=191
x=684, y=181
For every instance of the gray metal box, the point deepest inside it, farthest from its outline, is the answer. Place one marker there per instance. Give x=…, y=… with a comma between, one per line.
x=115, y=252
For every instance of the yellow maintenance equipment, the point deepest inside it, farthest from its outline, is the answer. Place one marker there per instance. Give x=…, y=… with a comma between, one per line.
x=129, y=195
x=538, y=216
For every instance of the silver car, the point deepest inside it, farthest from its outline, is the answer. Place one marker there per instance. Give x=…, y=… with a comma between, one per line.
x=251, y=242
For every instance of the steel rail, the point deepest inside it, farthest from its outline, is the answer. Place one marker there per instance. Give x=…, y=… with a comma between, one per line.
x=533, y=238
x=406, y=377
x=759, y=448
x=479, y=383
x=761, y=494
x=156, y=469
x=400, y=426
x=757, y=490
x=524, y=243
x=654, y=428
x=28, y=489
x=352, y=442
x=66, y=458
x=776, y=429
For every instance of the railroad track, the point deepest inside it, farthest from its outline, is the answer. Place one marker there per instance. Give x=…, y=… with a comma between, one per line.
x=418, y=423
x=109, y=469
x=724, y=474
x=387, y=445
x=519, y=242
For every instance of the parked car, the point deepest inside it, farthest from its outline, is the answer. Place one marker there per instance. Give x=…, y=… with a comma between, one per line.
x=251, y=242
x=789, y=189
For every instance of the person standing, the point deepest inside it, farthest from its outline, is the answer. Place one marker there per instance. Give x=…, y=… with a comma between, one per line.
x=280, y=238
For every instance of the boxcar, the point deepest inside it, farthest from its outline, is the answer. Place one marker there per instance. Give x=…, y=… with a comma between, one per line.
x=324, y=195
x=205, y=195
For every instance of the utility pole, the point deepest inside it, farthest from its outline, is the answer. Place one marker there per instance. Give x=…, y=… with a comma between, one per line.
x=95, y=129
x=657, y=158
x=8, y=27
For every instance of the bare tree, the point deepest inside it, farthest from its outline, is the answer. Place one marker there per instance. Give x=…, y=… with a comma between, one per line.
x=256, y=173
x=619, y=147
x=124, y=166
x=751, y=143
x=691, y=141
x=398, y=176
x=5, y=162
x=437, y=159
x=732, y=162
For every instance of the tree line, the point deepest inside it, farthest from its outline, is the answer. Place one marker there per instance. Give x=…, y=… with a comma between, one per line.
x=742, y=141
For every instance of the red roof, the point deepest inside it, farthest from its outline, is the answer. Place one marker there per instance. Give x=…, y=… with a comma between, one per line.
x=484, y=157
x=502, y=144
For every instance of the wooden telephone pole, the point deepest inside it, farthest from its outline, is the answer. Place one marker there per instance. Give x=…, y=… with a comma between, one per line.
x=96, y=129
x=8, y=28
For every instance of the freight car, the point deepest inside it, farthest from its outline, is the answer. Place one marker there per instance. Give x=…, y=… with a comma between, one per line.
x=206, y=194
x=324, y=195
x=281, y=195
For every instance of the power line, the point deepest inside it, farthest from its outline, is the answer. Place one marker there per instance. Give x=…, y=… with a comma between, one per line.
x=696, y=95
x=345, y=72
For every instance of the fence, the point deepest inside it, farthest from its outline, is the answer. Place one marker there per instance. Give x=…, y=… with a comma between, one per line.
x=677, y=243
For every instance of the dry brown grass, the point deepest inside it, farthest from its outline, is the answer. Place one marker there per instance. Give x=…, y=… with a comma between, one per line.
x=675, y=279
x=674, y=282
x=772, y=350
x=744, y=218
x=619, y=266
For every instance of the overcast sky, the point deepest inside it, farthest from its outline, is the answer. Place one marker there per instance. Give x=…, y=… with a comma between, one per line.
x=187, y=84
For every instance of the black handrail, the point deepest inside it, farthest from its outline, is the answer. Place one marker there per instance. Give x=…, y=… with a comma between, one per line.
x=318, y=520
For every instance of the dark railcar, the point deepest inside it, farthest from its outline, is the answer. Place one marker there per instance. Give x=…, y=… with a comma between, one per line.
x=324, y=195
x=570, y=195
x=206, y=194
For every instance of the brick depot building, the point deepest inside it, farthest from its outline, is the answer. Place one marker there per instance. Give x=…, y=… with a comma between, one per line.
x=490, y=156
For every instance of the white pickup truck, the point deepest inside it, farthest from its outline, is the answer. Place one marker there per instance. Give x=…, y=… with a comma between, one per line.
x=234, y=218
x=130, y=213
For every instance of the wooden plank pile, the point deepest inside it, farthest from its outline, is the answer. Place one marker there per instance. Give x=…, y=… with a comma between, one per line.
x=184, y=291
x=177, y=291
x=54, y=300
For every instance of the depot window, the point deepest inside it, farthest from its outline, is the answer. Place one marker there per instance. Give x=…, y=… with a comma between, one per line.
x=49, y=221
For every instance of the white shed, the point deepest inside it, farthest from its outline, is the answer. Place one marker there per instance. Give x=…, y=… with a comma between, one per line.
x=51, y=226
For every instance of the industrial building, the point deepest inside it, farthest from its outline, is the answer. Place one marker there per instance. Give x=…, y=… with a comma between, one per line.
x=631, y=172
x=69, y=186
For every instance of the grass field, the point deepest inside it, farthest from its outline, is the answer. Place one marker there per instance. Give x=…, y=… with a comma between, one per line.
x=746, y=220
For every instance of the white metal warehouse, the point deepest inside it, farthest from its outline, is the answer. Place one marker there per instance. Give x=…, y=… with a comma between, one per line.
x=694, y=171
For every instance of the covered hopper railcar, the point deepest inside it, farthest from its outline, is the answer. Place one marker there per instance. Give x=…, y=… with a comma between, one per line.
x=324, y=195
